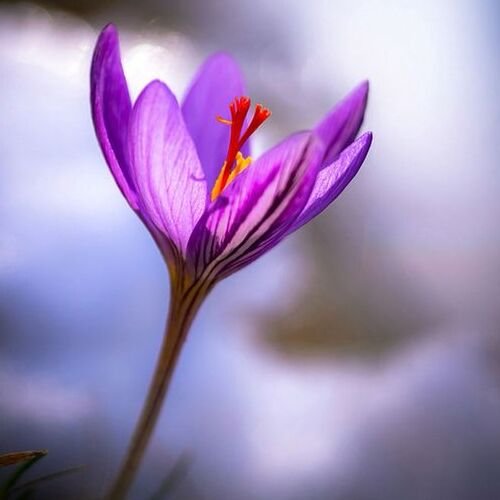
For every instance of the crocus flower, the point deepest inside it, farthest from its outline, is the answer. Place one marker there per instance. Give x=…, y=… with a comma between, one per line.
x=187, y=172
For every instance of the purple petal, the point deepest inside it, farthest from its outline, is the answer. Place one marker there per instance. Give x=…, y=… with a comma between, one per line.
x=339, y=128
x=217, y=83
x=332, y=180
x=111, y=109
x=167, y=170
x=254, y=212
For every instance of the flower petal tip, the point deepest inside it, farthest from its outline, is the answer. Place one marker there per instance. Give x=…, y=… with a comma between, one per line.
x=359, y=94
x=340, y=126
x=364, y=86
x=110, y=107
x=108, y=35
x=221, y=57
x=366, y=139
x=220, y=64
x=109, y=29
x=356, y=153
x=156, y=86
x=358, y=149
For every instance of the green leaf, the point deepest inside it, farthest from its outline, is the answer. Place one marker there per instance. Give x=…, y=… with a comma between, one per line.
x=28, y=486
x=19, y=472
x=20, y=456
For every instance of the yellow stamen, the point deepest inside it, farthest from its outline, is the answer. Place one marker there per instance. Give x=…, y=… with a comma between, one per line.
x=218, y=187
x=223, y=120
x=241, y=163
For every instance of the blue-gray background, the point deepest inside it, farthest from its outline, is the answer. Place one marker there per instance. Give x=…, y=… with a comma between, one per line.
x=360, y=360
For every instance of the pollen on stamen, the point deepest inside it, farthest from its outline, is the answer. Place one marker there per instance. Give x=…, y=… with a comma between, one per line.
x=223, y=120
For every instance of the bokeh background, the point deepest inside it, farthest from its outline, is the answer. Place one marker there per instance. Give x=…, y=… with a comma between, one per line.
x=359, y=360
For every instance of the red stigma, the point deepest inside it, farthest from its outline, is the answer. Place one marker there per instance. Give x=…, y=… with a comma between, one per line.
x=260, y=115
x=239, y=107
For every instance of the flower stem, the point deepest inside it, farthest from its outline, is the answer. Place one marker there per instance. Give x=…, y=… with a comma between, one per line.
x=179, y=320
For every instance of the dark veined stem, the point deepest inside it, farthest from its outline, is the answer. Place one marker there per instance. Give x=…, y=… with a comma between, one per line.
x=181, y=313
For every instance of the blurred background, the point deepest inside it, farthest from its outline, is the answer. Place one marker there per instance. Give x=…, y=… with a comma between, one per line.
x=359, y=360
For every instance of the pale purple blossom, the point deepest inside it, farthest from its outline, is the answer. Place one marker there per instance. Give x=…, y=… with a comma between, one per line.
x=166, y=159
x=192, y=182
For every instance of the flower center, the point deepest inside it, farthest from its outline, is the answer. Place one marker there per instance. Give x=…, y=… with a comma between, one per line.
x=235, y=162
